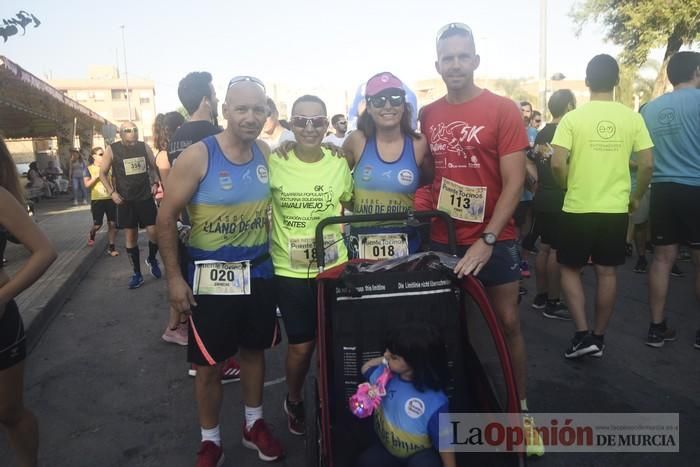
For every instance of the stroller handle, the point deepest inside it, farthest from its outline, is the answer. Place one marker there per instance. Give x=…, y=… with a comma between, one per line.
x=406, y=216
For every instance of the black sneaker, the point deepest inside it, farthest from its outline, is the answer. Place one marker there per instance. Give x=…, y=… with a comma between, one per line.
x=582, y=345
x=676, y=272
x=660, y=334
x=522, y=291
x=295, y=416
x=697, y=339
x=641, y=266
x=540, y=301
x=557, y=310
x=601, y=346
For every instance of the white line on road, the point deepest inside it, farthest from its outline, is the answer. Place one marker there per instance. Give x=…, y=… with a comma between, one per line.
x=275, y=381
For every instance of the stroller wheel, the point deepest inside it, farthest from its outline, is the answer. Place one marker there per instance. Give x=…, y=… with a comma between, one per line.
x=314, y=452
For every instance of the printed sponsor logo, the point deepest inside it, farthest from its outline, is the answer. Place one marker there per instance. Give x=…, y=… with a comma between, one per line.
x=225, y=181
x=414, y=407
x=406, y=177
x=261, y=172
x=606, y=129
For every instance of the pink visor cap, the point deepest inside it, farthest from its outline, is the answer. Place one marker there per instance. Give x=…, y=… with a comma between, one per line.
x=381, y=82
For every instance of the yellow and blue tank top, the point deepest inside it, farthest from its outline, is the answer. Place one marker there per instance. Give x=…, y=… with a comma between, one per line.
x=228, y=212
x=408, y=420
x=386, y=187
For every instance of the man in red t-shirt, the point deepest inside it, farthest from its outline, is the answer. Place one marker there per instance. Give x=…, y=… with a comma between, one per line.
x=478, y=142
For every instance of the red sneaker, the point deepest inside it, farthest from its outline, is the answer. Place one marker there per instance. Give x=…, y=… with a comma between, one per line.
x=230, y=371
x=210, y=455
x=259, y=438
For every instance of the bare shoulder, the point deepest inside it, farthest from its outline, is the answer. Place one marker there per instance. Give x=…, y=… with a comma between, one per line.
x=264, y=148
x=191, y=162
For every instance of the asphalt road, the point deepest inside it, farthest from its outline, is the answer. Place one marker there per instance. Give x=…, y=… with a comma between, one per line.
x=109, y=392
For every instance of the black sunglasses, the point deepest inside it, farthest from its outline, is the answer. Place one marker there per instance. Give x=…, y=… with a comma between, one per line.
x=130, y=130
x=380, y=101
x=300, y=121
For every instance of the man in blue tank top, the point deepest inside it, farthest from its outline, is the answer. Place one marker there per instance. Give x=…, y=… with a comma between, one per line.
x=223, y=183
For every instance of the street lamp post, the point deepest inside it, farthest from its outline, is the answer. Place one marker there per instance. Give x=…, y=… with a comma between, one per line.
x=126, y=73
x=543, y=58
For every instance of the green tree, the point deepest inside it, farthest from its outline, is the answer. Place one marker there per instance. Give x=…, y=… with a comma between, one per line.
x=641, y=25
x=635, y=83
x=514, y=89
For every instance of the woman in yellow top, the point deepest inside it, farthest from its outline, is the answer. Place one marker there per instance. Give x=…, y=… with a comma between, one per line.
x=101, y=203
x=307, y=186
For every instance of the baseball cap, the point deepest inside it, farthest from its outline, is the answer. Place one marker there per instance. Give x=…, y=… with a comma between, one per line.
x=381, y=82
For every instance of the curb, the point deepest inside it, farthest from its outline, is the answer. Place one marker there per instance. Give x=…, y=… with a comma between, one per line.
x=37, y=318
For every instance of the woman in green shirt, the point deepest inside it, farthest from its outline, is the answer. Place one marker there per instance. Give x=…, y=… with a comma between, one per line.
x=307, y=186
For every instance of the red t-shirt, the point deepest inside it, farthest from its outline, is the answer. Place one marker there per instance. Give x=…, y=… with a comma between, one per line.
x=466, y=141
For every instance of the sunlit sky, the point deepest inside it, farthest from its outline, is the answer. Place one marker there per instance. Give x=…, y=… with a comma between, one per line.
x=303, y=43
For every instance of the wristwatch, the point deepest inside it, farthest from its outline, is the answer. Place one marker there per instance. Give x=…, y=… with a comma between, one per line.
x=489, y=238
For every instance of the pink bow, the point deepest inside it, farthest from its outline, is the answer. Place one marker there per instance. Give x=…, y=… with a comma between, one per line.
x=369, y=396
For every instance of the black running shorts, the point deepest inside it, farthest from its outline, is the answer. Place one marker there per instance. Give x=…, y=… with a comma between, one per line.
x=502, y=268
x=101, y=208
x=297, y=303
x=13, y=348
x=599, y=236
x=675, y=214
x=547, y=227
x=221, y=324
x=136, y=214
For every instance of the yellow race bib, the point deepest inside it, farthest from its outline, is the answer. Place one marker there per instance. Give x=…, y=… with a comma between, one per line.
x=221, y=278
x=135, y=165
x=383, y=246
x=462, y=202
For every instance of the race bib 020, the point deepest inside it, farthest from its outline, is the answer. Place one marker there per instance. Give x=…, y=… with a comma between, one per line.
x=302, y=252
x=383, y=246
x=221, y=278
x=462, y=202
x=135, y=165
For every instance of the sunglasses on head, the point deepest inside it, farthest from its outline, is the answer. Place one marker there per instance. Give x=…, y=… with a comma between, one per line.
x=395, y=100
x=130, y=130
x=241, y=79
x=300, y=121
x=449, y=26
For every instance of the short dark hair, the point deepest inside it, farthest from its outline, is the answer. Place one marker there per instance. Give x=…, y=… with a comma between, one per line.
x=536, y=113
x=559, y=101
x=682, y=66
x=336, y=117
x=525, y=103
x=602, y=73
x=310, y=98
x=271, y=107
x=422, y=347
x=193, y=88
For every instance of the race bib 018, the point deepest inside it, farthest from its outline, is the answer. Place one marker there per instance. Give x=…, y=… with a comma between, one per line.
x=302, y=252
x=383, y=246
x=221, y=278
x=135, y=165
x=461, y=202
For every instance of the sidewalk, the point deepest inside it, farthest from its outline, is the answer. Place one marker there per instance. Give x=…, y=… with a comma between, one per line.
x=67, y=227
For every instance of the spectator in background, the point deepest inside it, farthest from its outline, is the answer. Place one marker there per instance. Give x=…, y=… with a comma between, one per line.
x=164, y=128
x=76, y=172
x=340, y=125
x=38, y=181
x=273, y=133
x=536, y=120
